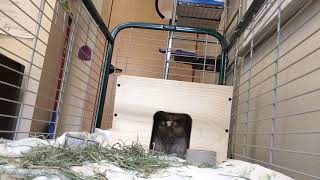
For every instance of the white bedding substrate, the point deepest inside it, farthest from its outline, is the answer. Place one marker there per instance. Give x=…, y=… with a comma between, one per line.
x=229, y=170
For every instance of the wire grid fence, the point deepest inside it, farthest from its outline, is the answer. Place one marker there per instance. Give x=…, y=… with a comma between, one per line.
x=275, y=113
x=144, y=53
x=50, y=68
x=199, y=16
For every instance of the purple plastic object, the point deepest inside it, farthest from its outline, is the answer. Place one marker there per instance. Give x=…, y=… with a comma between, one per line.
x=85, y=53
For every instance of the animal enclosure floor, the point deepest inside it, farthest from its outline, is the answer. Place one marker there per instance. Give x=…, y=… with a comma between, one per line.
x=229, y=170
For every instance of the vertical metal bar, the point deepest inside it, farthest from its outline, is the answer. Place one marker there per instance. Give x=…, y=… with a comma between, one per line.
x=99, y=102
x=205, y=58
x=34, y=46
x=92, y=49
x=225, y=17
x=57, y=12
x=234, y=112
x=104, y=86
x=94, y=121
x=215, y=62
x=129, y=43
x=114, y=75
x=65, y=73
x=98, y=19
x=169, y=45
x=240, y=11
x=223, y=78
x=275, y=84
x=161, y=27
x=245, y=140
x=222, y=67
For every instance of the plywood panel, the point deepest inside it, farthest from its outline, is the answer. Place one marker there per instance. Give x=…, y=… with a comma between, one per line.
x=138, y=99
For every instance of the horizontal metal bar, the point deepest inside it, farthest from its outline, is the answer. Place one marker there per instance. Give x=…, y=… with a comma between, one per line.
x=283, y=100
x=43, y=69
x=278, y=149
x=59, y=79
x=305, y=74
x=86, y=23
x=23, y=132
x=13, y=20
x=299, y=95
x=48, y=18
x=256, y=74
x=259, y=108
x=278, y=133
x=176, y=37
x=200, y=18
x=244, y=23
x=142, y=38
x=92, y=103
x=161, y=66
x=162, y=27
x=89, y=24
x=161, y=73
x=300, y=59
x=48, y=32
x=36, y=93
x=172, y=49
x=258, y=21
x=159, y=53
x=29, y=119
x=283, y=116
x=283, y=69
x=39, y=120
x=161, y=60
x=259, y=95
x=284, y=40
x=255, y=109
x=97, y=18
x=299, y=113
x=17, y=87
x=36, y=51
x=281, y=167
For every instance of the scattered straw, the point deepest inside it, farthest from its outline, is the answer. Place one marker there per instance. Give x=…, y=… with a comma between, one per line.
x=130, y=157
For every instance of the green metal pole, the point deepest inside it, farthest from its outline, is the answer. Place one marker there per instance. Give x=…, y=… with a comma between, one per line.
x=222, y=68
x=104, y=87
x=97, y=19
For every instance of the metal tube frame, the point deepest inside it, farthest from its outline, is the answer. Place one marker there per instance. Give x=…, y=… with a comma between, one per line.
x=169, y=42
x=111, y=38
x=160, y=27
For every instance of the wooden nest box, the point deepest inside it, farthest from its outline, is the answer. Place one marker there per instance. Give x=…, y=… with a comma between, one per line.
x=198, y=112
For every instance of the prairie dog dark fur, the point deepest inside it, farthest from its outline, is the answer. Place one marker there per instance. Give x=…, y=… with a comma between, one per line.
x=171, y=133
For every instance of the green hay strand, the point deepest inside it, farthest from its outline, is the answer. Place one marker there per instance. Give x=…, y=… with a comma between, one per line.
x=129, y=157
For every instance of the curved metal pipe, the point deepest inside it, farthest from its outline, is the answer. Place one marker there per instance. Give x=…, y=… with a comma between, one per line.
x=162, y=27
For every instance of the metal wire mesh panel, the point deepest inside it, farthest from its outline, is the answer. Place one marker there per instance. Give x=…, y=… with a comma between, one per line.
x=51, y=59
x=276, y=108
x=205, y=14
x=140, y=52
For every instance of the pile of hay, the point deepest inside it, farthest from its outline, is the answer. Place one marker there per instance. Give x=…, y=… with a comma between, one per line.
x=132, y=157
